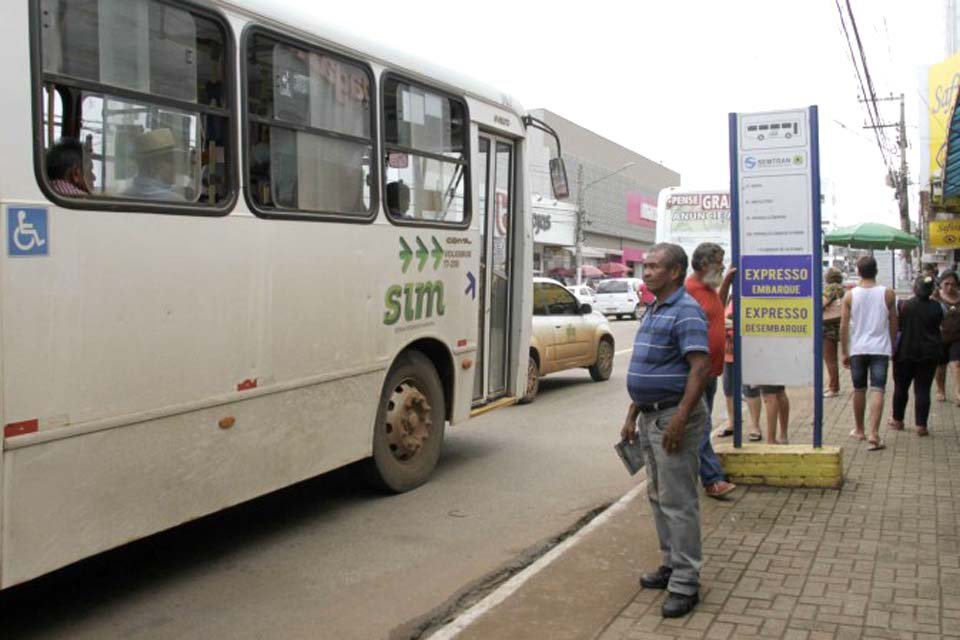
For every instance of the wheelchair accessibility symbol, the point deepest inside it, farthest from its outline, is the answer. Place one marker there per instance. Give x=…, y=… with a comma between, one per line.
x=27, y=231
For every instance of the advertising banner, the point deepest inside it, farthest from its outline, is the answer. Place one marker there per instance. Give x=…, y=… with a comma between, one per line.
x=689, y=218
x=943, y=82
x=776, y=224
x=944, y=234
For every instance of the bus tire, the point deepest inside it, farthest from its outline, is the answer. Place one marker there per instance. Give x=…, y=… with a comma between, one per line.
x=408, y=434
x=603, y=367
x=533, y=380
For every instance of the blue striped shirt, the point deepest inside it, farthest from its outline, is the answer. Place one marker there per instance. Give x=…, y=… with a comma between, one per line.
x=671, y=329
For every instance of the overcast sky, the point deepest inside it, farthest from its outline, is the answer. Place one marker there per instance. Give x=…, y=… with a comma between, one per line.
x=661, y=77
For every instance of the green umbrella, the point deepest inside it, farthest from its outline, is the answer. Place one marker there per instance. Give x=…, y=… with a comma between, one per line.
x=871, y=235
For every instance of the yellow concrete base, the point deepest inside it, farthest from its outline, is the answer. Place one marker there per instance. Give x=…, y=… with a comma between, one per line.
x=793, y=465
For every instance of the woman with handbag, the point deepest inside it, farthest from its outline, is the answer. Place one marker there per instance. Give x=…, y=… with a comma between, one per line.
x=917, y=353
x=833, y=293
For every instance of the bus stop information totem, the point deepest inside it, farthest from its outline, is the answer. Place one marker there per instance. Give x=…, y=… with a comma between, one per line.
x=777, y=236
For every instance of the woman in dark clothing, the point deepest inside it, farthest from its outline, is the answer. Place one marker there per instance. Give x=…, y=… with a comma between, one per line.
x=917, y=354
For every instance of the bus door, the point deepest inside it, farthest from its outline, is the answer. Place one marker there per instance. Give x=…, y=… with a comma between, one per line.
x=496, y=186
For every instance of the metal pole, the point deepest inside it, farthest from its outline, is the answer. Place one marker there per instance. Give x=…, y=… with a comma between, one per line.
x=735, y=250
x=817, y=281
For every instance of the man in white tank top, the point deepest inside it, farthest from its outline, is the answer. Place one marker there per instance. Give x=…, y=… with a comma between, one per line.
x=868, y=329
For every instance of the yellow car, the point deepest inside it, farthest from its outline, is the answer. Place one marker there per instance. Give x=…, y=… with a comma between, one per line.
x=566, y=335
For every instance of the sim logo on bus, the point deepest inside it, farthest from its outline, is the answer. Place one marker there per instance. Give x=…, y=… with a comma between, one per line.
x=413, y=301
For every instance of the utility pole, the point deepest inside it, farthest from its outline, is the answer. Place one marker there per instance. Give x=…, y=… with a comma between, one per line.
x=578, y=265
x=582, y=213
x=899, y=180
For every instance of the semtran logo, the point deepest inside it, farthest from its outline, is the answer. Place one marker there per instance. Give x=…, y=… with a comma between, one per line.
x=750, y=162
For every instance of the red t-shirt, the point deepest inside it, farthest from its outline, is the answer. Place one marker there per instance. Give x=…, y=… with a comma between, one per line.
x=709, y=301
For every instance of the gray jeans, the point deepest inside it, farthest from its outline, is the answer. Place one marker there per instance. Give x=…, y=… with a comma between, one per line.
x=672, y=486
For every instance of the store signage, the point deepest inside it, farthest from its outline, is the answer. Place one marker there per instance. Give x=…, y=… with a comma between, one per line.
x=945, y=234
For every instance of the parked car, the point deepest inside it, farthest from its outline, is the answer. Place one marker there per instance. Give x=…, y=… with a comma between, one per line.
x=583, y=293
x=567, y=334
x=618, y=297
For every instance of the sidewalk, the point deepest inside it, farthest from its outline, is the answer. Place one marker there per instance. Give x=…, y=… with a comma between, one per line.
x=878, y=559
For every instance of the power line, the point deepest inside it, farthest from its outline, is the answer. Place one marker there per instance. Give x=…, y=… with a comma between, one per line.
x=869, y=95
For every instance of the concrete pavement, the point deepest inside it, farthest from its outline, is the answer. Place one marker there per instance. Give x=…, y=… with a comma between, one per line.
x=879, y=558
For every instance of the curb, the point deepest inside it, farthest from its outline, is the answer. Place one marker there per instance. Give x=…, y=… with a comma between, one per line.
x=511, y=586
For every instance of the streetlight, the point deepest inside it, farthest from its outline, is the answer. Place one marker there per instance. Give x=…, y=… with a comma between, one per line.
x=581, y=213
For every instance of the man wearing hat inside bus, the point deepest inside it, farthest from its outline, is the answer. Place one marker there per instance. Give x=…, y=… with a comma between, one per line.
x=156, y=155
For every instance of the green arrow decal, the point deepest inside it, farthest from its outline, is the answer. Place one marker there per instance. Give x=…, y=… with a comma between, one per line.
x=422, y=254
x=405, y=254
x=437, y=253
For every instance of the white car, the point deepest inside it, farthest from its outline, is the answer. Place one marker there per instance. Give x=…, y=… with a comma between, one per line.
x=585, y=294
x=619, y=297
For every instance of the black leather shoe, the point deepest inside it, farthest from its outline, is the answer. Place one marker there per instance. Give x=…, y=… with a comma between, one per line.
x=678, y=605
x=656, y=580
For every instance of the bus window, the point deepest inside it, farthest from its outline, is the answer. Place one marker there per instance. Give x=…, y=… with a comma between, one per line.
x=425, y=154
x=310, y=126
x=143, y=86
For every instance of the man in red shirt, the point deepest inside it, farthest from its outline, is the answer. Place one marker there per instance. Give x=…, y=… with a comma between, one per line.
x=708, y=276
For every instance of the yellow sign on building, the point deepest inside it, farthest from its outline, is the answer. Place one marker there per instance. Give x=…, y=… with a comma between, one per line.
x=945, y=234
x=943, y=82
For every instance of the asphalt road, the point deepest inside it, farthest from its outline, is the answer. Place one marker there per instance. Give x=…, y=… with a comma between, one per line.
x=329, y=559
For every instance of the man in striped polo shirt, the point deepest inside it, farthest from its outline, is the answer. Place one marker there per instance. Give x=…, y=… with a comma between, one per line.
x=666, y=380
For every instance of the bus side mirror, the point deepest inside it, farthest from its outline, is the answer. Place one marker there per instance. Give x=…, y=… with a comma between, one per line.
x=558, y=179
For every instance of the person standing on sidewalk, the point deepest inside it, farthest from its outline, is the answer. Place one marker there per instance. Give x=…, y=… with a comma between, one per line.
x=750, y=394
x=917, y=354
x=666, y=379
x=833, y=293
x=708, y=276
x=950, y=332
x=868, y=329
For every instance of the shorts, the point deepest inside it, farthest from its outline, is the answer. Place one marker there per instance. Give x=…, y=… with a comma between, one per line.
x=951, y=353
x=771, y=389
x=875, y=365
x=746, y=390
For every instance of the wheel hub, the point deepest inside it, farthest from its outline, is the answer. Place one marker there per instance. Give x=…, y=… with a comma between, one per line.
x=408, y=423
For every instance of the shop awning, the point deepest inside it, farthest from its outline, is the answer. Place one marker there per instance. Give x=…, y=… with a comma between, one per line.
x=951, y=163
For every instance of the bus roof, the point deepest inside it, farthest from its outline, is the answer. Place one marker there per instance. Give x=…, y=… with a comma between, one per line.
x=309, y=24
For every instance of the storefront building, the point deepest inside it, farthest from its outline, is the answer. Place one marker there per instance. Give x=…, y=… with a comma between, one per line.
x=616, y=187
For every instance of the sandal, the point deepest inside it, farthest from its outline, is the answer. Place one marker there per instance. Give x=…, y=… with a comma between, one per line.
x=922, y=431
x=941, y=397
x=875, y=445
x=856, y=435
x=896, y=425
x=725, y=433
x=755, y=437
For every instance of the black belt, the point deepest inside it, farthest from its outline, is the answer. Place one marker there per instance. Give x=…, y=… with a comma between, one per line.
x=650, y=407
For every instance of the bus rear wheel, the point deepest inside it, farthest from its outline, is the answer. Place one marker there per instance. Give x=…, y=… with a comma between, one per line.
x=408, y=434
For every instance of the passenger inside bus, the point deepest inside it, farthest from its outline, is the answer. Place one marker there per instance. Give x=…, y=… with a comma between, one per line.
x=398, y=199
x=156, y=156
x=65, y=168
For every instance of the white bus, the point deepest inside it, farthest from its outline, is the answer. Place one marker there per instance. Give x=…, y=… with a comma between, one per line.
x=284, y=249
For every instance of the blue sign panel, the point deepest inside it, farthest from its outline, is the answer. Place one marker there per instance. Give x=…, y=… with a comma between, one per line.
x=27, y=231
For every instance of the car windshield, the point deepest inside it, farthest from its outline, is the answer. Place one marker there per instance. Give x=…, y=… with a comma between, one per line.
x=613, y=286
